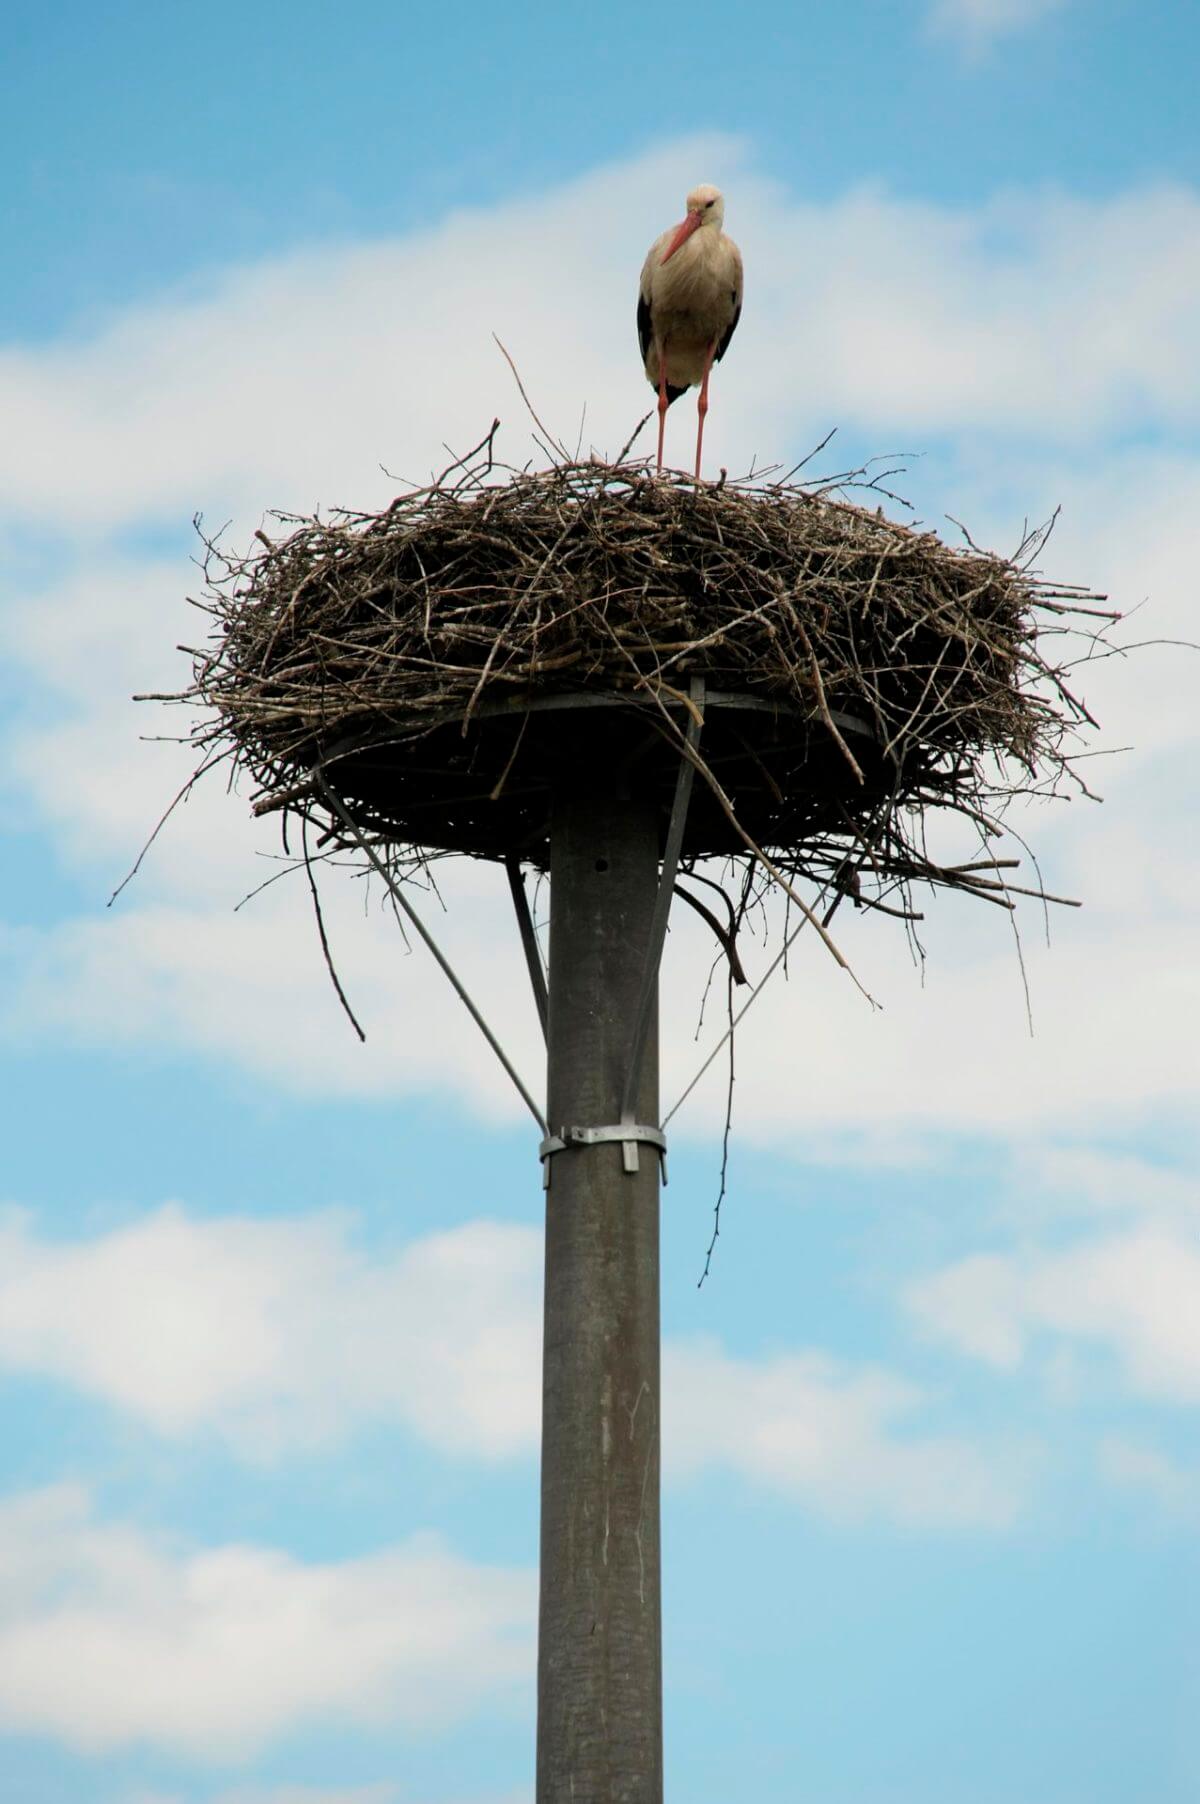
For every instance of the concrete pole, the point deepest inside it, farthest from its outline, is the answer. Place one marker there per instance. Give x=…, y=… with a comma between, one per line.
x=599, y=1738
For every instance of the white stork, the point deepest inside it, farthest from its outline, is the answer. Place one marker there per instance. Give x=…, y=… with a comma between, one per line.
x=689, y=303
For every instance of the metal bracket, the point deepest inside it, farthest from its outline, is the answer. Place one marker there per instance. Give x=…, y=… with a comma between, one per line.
x=629, y=1133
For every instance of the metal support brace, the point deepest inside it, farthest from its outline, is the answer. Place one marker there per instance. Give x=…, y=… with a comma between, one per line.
x=529, y=944
x=662, y=903
x=336, y=806
x=630, y=1134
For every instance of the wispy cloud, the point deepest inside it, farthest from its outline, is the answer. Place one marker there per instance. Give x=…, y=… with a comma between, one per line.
x=1097, y=1186
x=977, y=24
x=283, y=1794
x=846, y=1439
x=891, y=315
x=111, y=1637
x=1144, y=1469
x=1133, y=1296
x=384, y=1793
x=285, y=1335
x=278, y=1334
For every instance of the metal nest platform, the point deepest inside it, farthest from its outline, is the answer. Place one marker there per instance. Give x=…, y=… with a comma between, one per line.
x=449, y=665
x=488, y=792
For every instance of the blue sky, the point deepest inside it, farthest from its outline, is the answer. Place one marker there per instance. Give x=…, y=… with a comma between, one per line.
x=269, y=1299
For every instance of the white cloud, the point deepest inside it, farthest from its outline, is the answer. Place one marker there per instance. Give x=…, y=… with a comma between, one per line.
x=976, y=24
x=1133, y=1296
x=1092, y=1182
x=837, y=1437
x=252, y=989
x=974, y=1305
x=384, y=1793
x=285, y=1334
x=896, y=315
x=211, y=400
x=1149, y=1472
x=286, y=1794
x=111, y=1637
x=900, y=319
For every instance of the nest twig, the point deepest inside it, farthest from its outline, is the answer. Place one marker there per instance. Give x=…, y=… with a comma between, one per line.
x=451, y=662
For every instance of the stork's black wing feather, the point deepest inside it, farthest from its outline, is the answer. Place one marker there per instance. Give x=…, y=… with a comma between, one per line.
x=724, y=344
x=645, y=338
x=645, y=329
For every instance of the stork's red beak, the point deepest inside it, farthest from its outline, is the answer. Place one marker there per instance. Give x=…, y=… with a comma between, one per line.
x=682, y=234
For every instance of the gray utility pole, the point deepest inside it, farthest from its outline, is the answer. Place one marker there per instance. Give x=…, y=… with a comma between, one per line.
x=599, y=1737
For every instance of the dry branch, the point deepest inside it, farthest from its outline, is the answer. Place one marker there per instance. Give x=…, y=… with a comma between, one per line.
x=446, y=661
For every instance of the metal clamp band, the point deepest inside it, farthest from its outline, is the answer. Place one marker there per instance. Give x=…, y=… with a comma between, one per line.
x=628, y=1133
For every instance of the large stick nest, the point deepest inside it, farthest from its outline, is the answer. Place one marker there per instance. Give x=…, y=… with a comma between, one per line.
x=453, y=663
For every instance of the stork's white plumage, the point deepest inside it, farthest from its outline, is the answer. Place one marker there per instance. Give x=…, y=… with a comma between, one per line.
x=689, y=303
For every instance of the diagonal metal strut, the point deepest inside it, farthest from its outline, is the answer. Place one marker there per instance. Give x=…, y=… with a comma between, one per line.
x=662, y=903
x=529, y=943
x=333, y=801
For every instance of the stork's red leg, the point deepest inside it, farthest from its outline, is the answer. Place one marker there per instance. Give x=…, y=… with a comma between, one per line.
x=663, y=403
x=702, y=404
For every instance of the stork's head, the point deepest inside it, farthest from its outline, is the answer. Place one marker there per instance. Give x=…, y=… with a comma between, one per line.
x=705, y=207
x=708, y=203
